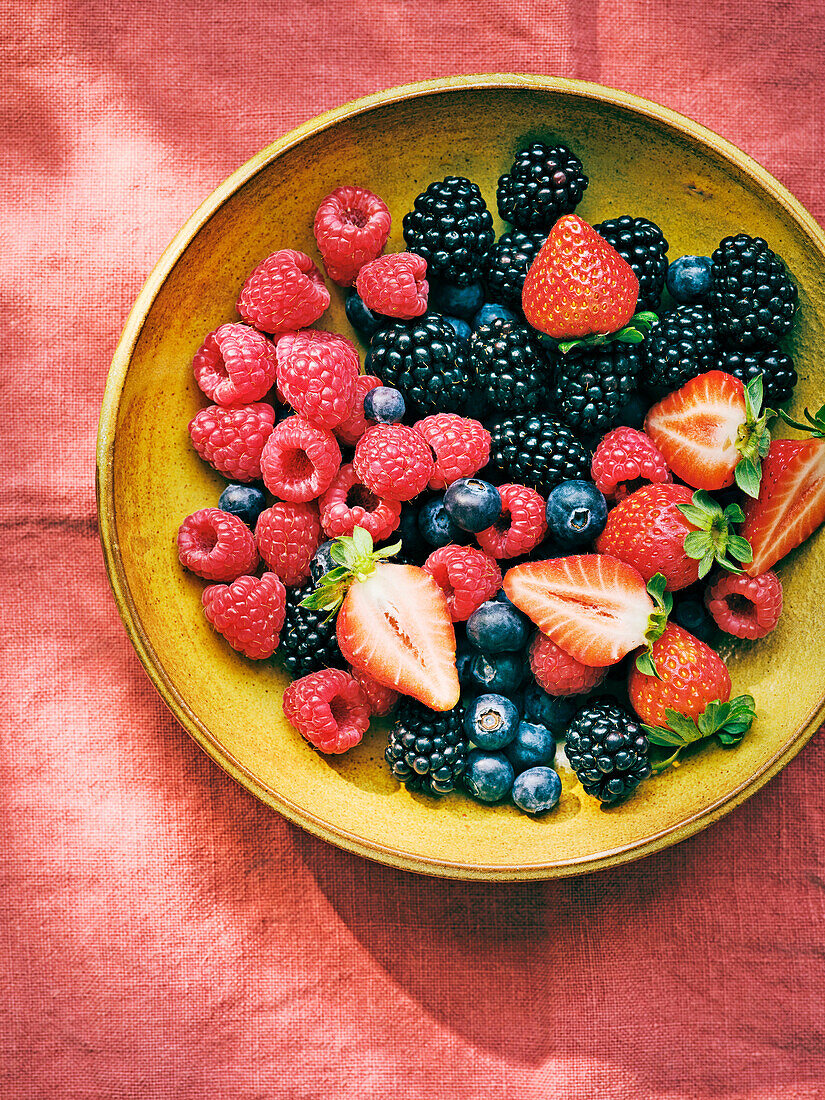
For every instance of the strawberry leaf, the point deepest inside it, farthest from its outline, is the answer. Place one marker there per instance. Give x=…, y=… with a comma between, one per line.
x=815, y=421
x=748, y=474
x=753, y=397
x=645, y=665
x=740, y=548
x=728, y=722
x=714, y=541
x=356, y=559
x=633, y=333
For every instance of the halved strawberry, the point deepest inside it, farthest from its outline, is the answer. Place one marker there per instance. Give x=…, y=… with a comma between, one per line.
x=595, y=607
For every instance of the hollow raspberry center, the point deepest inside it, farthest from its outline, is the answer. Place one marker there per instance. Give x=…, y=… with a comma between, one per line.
x=359, y=496
x=339, y=708
x=354, y=217
x=739, y=604
x=220, y=368
x=298, y=465
x=504, y=521
x=207, y=539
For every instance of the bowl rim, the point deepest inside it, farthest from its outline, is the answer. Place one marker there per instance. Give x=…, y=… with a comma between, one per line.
x=393, y=856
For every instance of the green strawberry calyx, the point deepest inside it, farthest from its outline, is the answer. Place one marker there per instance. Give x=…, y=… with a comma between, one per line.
x=727, y=722
x=815, y=425
x=753, y=439
x=633, y=333
x=656, y=623
x=714, y=541
x=355, y=558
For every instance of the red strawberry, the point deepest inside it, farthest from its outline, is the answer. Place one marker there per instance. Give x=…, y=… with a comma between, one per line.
x=578, y=285
x=690, y=675
x=594, y=606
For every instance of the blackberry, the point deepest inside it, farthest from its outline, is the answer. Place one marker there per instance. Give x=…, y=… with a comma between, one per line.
x=427, y=749
x=452, y=229
x=776, y=368
x=593, y=384
x=681, y=346
x=752, y=296
x=307, y=644
x=642, y=244
x=543, y=183
x=425, y=359
x=536, y=450
x=511, y=366
x=507, y=264
x=607, y=749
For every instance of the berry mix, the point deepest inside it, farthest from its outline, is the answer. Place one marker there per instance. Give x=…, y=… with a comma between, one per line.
x=536, y=509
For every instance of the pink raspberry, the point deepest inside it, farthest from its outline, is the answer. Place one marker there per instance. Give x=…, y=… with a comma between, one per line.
x=316, y=375
x=624, y=459
x=520, y=527
x=285, y=292
x=329, y=709
x=461, y=446
x=216, y=545
x=559, y=673
x=468, y=577
x=299, y=460
x=288, y=535
x=349, y=431
x=249, y=613
x=381, y=698
x=348, y=504
x=395, y=285
x=232, y=439
x=351, y=228
x=747, y=607
x=235, y=364
x=393, y=461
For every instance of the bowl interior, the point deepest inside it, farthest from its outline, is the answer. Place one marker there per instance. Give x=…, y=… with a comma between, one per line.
x=639, y=162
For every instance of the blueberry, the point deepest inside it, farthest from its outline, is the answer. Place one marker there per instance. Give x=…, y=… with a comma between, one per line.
x=472, y=504
x=694, y=616
x=244, y=501
x=361, y=317
x=435, y=525
x=457, y=301
x=491, y=721
x=497, y=627
x=492, y=311
x=689, y=278
x=553, y=711
x=464, y=656
x=385, y=405
x=322, y=561
x=489, y=776
x=537, y=790
x=531, y=746
x=576, y=513
x=462, y=329
x=500, y=673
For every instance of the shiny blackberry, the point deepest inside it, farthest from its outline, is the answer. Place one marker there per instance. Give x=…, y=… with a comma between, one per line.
x=542, y=184
x=642, y=244
x=592, y=385
x=511, y=366
x=607, y=749
x=507, y=264
x=681, y=346
x=427, y=749
x=451, y=227
x=752, y=296
x=536, y=450
x=425, y=359
x=308, y=643
x=778, y=374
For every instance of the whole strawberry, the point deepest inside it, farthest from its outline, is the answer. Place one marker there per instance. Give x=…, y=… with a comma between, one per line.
x=689, y=676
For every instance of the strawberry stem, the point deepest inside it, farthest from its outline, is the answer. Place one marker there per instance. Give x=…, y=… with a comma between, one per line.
x=714, y=541
x=815, y=425
x=727, y=722
x=753, y=439
x=656, y=623
x=632, y=333
x=356, y=559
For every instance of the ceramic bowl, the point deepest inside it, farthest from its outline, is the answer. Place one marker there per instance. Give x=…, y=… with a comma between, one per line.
x=641, y=159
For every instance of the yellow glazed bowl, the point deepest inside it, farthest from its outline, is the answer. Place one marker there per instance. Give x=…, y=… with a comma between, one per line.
x=641, y=159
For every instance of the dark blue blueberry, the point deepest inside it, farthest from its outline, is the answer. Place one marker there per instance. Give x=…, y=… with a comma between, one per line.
x=492, y=311
x=456, y=301
x=462, y=329
x=537, y=790
x=464, y=656
x=694, y=616
x=244, y=501
x=500, y=672
x=497, y=627
x=361, y=317
x=491, y=721
x=576, y=513
x=472, y=504
x=553, y=711
x=532, y=745
x=435, y=525
x=384, y=404
x=322, y=561
x=688, y=279
x=488, y=776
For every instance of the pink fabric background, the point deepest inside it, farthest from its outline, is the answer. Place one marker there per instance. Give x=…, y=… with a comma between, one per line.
x=164, y=935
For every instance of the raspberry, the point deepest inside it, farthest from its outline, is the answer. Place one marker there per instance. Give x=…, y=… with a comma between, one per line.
x=233, y=439
x=299, y=460
x=395, y=285
x=316, y=375
x=559, y=673
x=747, y=607
x=235, y=364
x=348, y=504
x=461, y=446
x=350, y=430
x=285, y=292
x=288, y=535
x=520, y=527
x=216, y=545
x=468, y=577
x=249, y=613
x=329, y=709
x=393, y=460
x=624, y=459
x=351, y=228
x=381, y=698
